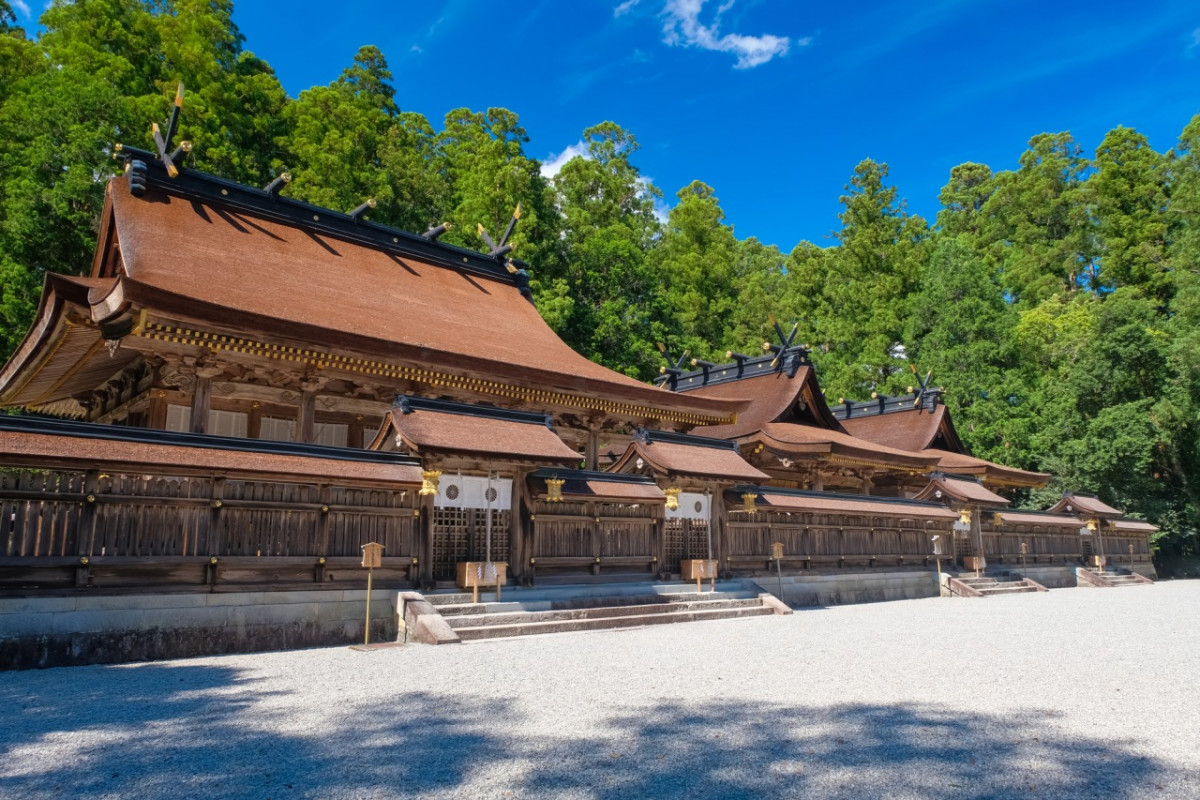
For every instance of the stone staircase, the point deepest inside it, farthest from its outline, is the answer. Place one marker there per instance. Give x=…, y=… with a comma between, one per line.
x=1110, y=578
x=524, y=612
x=993, y=584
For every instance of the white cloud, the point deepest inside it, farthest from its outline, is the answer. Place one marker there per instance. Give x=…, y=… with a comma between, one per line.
x=661, y=209
x=625, y=8
x=416, y=48
x=554, y=163
x=1194, y=43
x=683, y=27
x=21, y=7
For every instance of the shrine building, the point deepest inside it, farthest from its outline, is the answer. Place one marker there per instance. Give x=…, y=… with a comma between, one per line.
x=246, y=389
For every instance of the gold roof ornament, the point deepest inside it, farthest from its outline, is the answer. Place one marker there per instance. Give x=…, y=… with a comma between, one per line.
x=554, y=490
x=429, y=481
x=672, y=498
x=964, y=521
x=748, y=502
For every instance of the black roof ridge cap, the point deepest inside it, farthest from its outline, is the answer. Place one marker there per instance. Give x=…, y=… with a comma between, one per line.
x=593, y=475
x=406, y=404
x=740, y=368
x=833, y=495
x=955, y=476
x=649, y=436
x=1044, y=513
x=92, y=430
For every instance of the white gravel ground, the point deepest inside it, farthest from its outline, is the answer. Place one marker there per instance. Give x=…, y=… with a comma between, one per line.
x=1087, y=693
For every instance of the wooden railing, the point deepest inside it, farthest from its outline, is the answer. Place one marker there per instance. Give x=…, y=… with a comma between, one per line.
x=64, y=528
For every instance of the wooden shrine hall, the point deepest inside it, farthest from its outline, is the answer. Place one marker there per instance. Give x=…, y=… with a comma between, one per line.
x=247, y=388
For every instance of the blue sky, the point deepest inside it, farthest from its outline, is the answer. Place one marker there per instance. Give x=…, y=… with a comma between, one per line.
x=770, y=102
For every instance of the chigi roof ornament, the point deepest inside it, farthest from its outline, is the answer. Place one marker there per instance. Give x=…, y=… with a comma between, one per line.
x=674, y=368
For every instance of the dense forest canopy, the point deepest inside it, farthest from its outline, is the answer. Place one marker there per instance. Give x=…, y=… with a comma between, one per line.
x=1058, y=303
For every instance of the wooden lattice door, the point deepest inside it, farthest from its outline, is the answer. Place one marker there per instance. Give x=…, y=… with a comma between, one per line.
x=685, y=538
x=460, y=534
x=962, y=547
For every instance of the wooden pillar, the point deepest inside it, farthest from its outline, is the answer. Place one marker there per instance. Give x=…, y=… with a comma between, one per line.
x=719, y=517
x=867, y=483
x=425, y=544
x=201, y=400
x=156, y=413
x=660, y=536
x=818, y=482
x=592, y=450
x=254, y=421
x=305, y=417
x=85, y=527
x=517, y=523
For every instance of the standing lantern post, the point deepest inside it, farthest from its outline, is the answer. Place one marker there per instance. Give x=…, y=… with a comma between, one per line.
x=777, y=557
x=938, y=548
x=372, y=558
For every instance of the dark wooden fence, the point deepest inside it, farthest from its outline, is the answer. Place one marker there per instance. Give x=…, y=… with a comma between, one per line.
x=814, y=540
x=597, y=537
x=62, y=528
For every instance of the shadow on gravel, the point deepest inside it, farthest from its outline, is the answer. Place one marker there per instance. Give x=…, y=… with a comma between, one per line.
x=201, y=732
x=736, y=750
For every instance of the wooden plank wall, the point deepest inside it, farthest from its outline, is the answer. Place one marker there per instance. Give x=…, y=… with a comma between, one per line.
x=598, y=536
x=75, y=528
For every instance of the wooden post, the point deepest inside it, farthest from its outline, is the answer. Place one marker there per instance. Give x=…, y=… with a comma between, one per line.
x=305, y=417
x=254, y=422
x=201, y=401
x=321, y=538
x=85, y=528
x=592, y=450
x=718, y=520
x=516, y=527
x=156, y=414
x=426, y=542
x=371, y=558
x=85, y=531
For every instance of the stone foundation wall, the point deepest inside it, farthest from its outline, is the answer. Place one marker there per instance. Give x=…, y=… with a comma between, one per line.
x=1145, y=570
x=857, y=587
x=38, y=632
x=1051, y=576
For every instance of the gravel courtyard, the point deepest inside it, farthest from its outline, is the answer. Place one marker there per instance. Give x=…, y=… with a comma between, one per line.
x=1088, y=693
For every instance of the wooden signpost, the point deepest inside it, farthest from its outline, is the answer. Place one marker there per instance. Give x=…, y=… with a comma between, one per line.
x=372, y=558
x=473, y=574
x=777, y=557
x=939, y=548
x=697, y=569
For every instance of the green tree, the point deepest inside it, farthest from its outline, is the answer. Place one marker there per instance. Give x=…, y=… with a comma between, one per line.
x=762, y=280
x=868, y=280
x=614, y=314
x=963, y=198
x=481, y=155
x=697, y=260
x=961, y=329
x=1037, y=229
x=337, y=133
x=1128, y=198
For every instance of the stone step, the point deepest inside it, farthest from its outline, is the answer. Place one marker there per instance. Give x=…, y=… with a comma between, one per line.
x=1008, y=588
x=572, y=603
x=599, y=592
x=521, y=617
x=605, y=623
x=456, y=598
